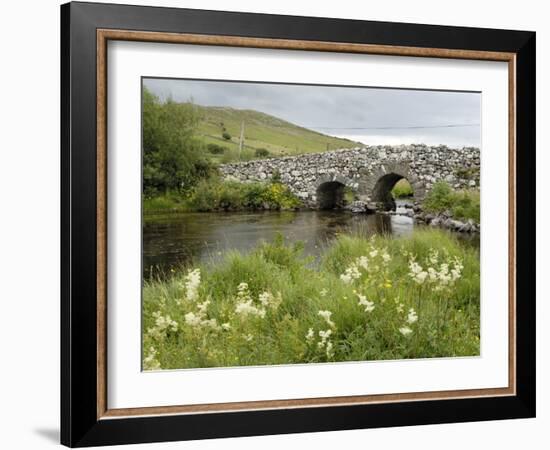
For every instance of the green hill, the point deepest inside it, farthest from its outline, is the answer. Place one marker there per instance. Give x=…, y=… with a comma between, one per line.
x=261, y=131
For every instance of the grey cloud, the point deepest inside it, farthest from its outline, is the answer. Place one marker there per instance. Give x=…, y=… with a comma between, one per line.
x=363, y=114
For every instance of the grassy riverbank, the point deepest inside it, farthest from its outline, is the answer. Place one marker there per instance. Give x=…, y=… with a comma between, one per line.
x=464, y=204
x=216, y=195
x=374, y=299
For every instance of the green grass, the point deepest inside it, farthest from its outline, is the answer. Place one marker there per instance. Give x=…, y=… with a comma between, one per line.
x=202, y=323
x=464, y=204
x=216, y=195
x=169, y=202
x=262, y=131
x=402, y=189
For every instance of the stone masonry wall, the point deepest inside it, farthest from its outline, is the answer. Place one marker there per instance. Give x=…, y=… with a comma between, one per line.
x=369, y=171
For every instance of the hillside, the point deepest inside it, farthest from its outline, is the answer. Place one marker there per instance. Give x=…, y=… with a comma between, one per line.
x=261, y=131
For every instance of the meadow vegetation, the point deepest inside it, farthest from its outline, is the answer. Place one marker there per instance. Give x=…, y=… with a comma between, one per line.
x=463, y=204
x=402, y=189
x=365, y=299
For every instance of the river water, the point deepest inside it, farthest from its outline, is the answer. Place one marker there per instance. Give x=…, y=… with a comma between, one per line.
x=175, y=239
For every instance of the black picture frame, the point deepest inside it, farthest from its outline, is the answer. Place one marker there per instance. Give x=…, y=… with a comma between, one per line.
x=80, y=425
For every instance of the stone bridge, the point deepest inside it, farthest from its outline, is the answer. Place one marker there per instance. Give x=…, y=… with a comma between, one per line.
x=322, y=179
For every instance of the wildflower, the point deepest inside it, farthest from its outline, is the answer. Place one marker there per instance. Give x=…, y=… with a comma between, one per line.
x=432, y=273
x=326, y=315
x=373, y=253
x=150, y=362
x=246, y=308
x=330, y=352
x=193, y=319
x=433, y=257
x=363, y=262
x=249, y=337
x=386, y=257
x=412, y=317
x=203, y=306
x=192, y=282
x=242, y=288
x=324, y=335
x=310, y=335
x=416, y=272
x=352, y=273
x=211, y=323
x=405, y=331
x=163, y=325
x=226, y=326
x=369, y=306
x=400, y=307
x=267, y=299
x=323, y=293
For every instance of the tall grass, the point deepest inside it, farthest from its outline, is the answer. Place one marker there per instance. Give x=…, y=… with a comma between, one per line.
x=402, y=189
x=368, y=299
x=464, y=204
x=215, y=195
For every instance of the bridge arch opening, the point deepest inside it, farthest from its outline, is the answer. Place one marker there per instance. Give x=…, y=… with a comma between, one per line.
x=385, y=195
x=334, y=195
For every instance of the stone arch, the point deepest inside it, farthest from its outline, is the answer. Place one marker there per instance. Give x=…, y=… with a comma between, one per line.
x=380, y=183
x=330, y=190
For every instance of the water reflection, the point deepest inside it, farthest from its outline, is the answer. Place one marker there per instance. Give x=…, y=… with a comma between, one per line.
x=172, y=240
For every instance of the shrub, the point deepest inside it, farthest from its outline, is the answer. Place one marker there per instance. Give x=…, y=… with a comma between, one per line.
x=276, y=176
x=216, y=149
x=461, y=204
x=262, y=152
x=226, y=136
x=230, y=195
x=172, y=156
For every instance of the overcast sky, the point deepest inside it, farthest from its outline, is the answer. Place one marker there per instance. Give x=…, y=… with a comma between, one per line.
x=369, y=115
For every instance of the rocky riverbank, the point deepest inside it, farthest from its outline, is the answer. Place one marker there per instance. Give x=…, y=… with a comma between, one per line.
x=441, y=220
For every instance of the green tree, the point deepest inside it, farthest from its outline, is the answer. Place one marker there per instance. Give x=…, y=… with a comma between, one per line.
x=172, y=156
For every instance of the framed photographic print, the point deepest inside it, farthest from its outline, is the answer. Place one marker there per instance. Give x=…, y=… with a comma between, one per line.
x=276, y=224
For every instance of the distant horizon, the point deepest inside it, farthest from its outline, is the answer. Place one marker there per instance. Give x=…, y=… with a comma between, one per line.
x=395, y=116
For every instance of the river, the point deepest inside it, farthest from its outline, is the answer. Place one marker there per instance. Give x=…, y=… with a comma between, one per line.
x=175, y=239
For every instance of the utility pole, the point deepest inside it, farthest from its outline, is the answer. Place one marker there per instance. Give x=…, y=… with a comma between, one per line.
x=241, y=140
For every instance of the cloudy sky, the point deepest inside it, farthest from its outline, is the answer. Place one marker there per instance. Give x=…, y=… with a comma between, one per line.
x=369, y=115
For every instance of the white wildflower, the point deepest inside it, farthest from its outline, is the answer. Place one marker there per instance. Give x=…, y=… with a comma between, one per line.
x=310, y=335
x=324, y=335
x=369, y=306
x=210, y=323
x=412, y=317
x=433, y=257
x=192, y=282
x=246, y=308
x=330, y=352
x=405, y=331
x=242, y=288
x=150, y=362
x=193, y=319
x=323, y=293
x=267, y=299
x=203, y=306
x=386, y=256
x=416, y=272
x=326, y=315
x=163, y=325
x=352, y=273
x=363, y=262
x=226, y=326
x=373, y=253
